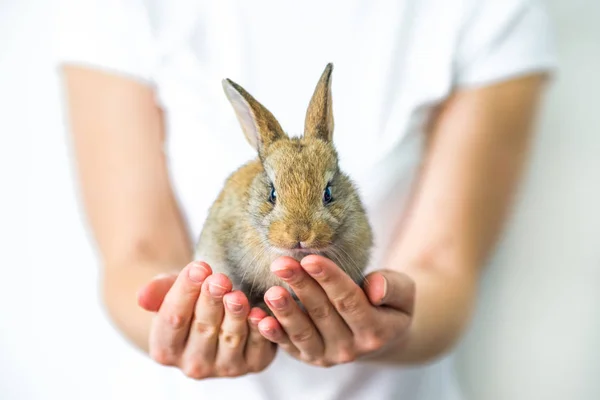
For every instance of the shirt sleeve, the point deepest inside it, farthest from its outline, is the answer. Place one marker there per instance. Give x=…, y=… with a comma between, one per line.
x=112, y=35
x=502, y=39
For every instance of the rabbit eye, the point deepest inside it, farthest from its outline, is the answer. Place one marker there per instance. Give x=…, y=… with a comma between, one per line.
x=273, y=195
x=327, y=198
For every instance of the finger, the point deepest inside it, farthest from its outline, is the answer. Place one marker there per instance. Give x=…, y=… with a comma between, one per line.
x=171, y=324
x=346, y=296
x=270, y=329
x=230, y=360
x=201, y=348
x=329, y=323
x=393, y=289
x=259, y=351
x=151, y=296
x=297, y=325
x=393, y=293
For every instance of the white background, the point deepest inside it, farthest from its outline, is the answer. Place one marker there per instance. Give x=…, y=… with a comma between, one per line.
x=536, y=334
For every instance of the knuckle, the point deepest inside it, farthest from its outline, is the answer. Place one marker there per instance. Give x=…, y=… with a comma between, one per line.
x=231, y=340
x=176, y=321
x=323, y=363
x=326, y=278
x=162, y=356
x=286, y=312
x=366, y=331
x=255, y=340
x=309, y=358
x=204, y=329
x=372, y=342
x=347, y=303
x=231, y=370
x=321, y=312
x=345, y=355
x=215, y=303
x=195, y=370
x=256, y=367
x=300, y=282
x=302, y=336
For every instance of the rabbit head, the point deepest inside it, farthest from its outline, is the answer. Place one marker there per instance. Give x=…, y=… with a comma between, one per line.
x=301, y=203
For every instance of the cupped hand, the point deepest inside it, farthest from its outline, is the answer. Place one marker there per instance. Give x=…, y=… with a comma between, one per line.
x=203, y=327
x=342, y=321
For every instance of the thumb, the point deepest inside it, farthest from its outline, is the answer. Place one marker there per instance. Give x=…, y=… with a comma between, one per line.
x=391, y=288
x=152, y=294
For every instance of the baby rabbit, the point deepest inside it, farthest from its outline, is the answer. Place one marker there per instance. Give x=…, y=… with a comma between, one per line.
x=292, y=200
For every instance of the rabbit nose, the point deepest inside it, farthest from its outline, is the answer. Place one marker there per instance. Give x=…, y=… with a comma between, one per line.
x=302, y=235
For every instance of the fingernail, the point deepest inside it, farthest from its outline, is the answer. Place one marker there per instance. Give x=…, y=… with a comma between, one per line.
x=254, y=320
x=216, y=290
x=284, y=273
x=268, y=331
x=234, y=307
x=279, y=302
x=197, y=273
x=385, y=288
x=313, y=269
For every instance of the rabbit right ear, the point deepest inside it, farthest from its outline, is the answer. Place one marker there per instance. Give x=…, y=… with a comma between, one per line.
x=319, y=116
x=259, y=125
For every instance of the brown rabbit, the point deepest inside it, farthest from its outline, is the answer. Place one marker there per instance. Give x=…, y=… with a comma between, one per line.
x=292, y=200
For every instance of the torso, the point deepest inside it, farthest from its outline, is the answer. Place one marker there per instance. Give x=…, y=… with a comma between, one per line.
x=390, y=73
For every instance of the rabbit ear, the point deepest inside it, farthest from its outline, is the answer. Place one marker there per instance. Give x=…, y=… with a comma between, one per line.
x=319, y=116
x=259, y=125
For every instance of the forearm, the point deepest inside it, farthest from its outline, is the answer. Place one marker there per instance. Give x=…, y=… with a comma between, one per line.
x=118, y=137
x=477, y=149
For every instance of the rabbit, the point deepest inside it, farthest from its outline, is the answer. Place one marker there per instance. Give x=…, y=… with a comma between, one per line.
x=291, y=200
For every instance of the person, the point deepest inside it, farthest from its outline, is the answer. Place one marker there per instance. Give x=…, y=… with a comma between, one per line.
x=434, y=103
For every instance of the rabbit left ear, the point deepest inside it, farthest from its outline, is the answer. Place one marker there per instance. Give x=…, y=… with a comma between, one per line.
x=319, y=116
x=259, y=125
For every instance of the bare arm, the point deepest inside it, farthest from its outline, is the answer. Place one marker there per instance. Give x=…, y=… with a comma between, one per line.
x=118, y=140
x=476, y=152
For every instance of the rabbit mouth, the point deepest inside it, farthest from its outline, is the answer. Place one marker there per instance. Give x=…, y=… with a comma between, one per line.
x=304, y=251
x=311, y=250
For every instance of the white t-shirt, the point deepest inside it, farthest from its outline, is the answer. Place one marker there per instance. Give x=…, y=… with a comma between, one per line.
x=394, y=62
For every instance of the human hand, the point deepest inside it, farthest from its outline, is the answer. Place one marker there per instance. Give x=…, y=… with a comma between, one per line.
x=342, y=321
x=202, y=327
